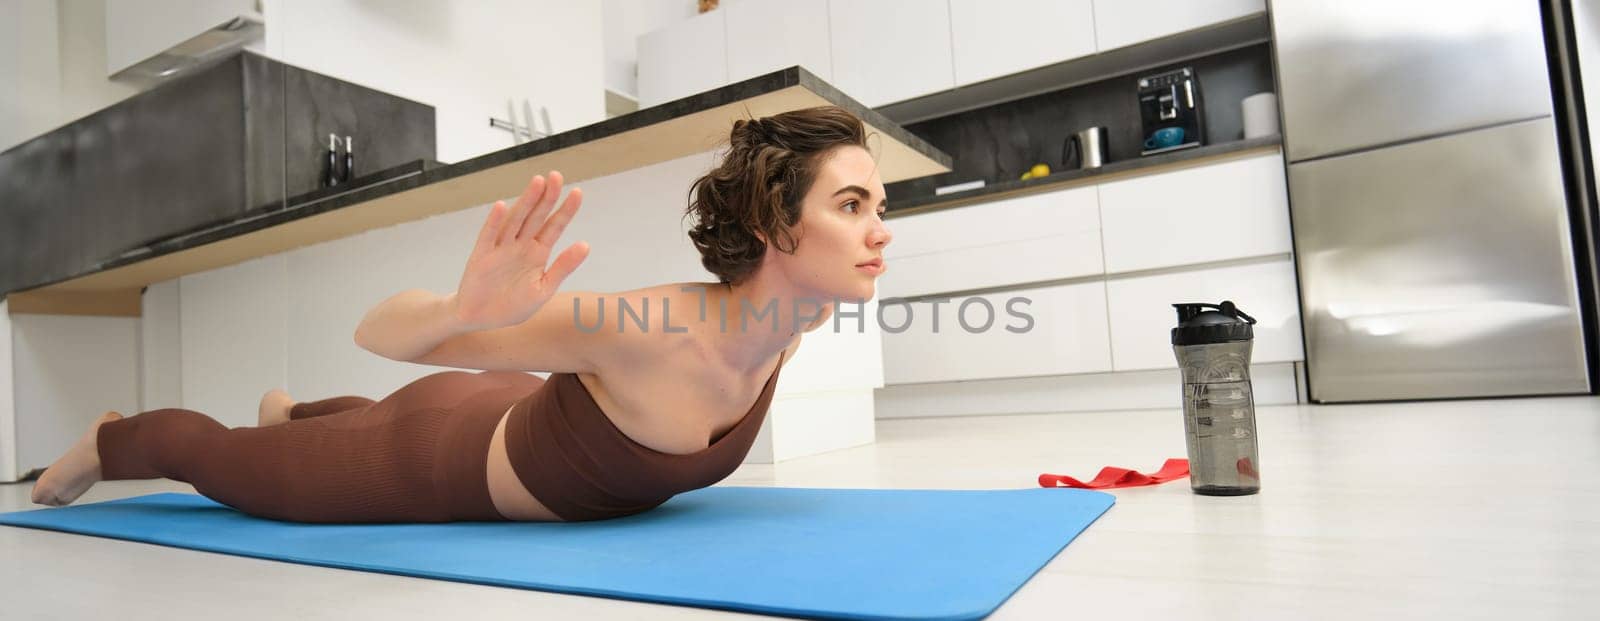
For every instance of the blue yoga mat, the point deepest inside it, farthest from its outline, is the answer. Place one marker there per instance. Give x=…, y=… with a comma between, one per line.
x=827, y=553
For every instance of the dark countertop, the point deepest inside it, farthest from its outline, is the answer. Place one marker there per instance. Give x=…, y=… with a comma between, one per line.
x=418, y=174
x=501, y=173
x=1061, y=180
x=364, y=182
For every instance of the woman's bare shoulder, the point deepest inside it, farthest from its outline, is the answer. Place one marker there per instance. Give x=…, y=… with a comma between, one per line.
x=660, y=321
x=675, y=292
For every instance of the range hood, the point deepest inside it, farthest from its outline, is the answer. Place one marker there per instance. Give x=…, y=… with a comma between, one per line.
x=214, y=44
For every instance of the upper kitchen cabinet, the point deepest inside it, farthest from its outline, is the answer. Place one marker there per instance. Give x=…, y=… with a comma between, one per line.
x=1000, y=37
x=768, y=35
x=687, y=58
x=1119, y=23
x=890, y=50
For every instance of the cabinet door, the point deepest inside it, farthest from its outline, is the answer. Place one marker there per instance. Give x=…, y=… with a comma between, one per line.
x=1223, y=211
x=1014, y=241
x=685, y=58
x=993, y=38
x=1142, y=316
x=844, y=353
x=768, y=35
x=1059, y=330
x=886, y=51
x=1124, y=22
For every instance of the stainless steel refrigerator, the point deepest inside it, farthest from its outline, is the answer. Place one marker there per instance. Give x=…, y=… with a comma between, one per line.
x=1434, y=199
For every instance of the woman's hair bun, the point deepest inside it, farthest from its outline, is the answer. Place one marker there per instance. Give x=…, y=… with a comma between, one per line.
x=756, y=188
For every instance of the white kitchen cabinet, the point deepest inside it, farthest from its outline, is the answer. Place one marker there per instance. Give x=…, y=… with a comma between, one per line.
x=1142, y=316
x=768, y=35
x=685, y=58
x=1125, y=22
x=1060, y=329
x=993, y=38
x=1020, y=240
x=844, y=353
x=1216, y=212
x=886, y=51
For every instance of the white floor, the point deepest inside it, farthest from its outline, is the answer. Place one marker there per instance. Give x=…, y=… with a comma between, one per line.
x=1466, y=509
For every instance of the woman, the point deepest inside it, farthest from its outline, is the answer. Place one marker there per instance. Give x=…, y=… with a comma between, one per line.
x=789, y=221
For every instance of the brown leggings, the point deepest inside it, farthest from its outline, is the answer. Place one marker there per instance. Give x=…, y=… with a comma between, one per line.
x=418, y=455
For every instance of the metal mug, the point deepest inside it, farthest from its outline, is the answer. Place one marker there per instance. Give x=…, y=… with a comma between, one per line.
x=1085, y=149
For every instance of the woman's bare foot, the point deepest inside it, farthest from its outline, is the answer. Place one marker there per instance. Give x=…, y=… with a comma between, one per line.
x=76, y=471
x=274, y=408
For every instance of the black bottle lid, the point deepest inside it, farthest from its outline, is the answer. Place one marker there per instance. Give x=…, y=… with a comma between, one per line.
x=1223, y=325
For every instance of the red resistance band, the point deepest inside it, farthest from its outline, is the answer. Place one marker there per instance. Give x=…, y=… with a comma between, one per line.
x=1111, y=477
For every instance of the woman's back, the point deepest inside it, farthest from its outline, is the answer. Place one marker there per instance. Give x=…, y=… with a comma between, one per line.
x=667, y=388
x=578, y=465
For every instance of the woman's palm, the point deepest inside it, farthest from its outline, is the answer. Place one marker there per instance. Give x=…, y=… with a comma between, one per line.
x=506, y=280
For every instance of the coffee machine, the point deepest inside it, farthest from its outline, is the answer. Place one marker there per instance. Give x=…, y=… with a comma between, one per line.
x=1170, y=111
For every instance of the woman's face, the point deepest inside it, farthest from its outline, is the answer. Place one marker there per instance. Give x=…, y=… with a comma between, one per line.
x=841, y=227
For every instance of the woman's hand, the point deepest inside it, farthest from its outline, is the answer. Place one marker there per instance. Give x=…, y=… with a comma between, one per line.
x=506, y=281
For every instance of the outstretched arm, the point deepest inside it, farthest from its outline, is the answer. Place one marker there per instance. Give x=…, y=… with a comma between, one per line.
x=500, y=312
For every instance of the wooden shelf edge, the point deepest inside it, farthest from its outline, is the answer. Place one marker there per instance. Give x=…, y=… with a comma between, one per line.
x=1066, y=180
x=110, y=303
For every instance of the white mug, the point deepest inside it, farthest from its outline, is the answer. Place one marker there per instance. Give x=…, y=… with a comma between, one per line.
x=1260, y=115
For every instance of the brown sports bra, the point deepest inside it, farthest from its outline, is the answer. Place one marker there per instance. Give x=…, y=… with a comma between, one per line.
x=575, y=461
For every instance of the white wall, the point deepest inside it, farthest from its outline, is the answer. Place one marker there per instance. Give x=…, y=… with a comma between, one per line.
x=625, y=20
x=29, y=60
x=69, y=370
x=464, y=58
x=53, y=55
x=83, y=40
x=160, y=351
x=288, y=320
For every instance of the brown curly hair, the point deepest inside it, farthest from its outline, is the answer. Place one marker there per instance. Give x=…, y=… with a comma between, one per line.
x=759, y=184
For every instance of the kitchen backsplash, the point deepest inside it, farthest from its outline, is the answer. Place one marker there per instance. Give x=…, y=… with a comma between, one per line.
x=1003, y=141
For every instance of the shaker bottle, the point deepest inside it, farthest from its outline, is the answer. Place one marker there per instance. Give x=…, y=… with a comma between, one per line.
x=1219, y=415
